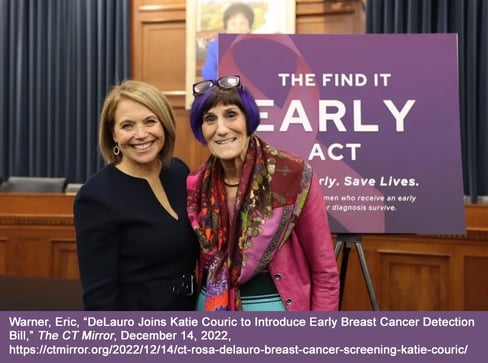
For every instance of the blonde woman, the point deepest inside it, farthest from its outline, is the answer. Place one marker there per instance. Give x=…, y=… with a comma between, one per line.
x=136, y=249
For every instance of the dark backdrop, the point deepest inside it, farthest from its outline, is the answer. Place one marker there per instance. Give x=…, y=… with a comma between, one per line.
x=58, y=60
x=469, y=19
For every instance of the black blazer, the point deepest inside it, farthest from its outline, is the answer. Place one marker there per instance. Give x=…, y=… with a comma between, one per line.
x=132, y=254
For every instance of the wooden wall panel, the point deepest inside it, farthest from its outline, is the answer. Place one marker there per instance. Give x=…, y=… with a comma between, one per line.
x=403, y=275
x=29, y=248
x=416, y=272
x=322, y=17
x=161, y=57
x=191, y=151
x=30, y=224
x=64, y=259
x=476, y=283
x=336, y=24
x=158, y=46
x=3, y=255
x=409, y=280
x=152, y=5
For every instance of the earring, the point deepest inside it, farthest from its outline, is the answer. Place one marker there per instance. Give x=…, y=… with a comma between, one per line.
x=116, y=150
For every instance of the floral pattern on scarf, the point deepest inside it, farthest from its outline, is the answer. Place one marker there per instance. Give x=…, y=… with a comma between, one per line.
x=273, y=189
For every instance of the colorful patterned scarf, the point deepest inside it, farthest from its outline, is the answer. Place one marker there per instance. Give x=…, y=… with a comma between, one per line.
x=273, y=189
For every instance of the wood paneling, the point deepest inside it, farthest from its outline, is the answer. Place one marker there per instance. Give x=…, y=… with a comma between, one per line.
x=160, y=56
x=158, y=46
x=417, y=272
x=64, y=259
x=37, y=235
x=475, y=283
x=336, y=24
x=320, y=17
x=401, y=275
x=191, y=151
x=3, y=255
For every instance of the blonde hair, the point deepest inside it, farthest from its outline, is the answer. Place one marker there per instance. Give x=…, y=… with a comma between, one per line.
x=146, y=95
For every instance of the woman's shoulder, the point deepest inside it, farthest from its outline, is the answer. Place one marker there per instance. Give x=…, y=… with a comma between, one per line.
x=100, y=178
x=193, y=178
x=101, y=184
x=176, y=165
x=95, y=196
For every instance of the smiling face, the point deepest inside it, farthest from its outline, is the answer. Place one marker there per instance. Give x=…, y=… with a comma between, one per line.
x=224, y=129
x=139, y=134
x=238, y=23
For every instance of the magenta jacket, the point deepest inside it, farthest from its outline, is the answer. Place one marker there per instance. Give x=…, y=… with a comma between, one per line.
x=305, y=269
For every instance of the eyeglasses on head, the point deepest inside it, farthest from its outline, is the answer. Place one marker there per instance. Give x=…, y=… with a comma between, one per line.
x=225, y=82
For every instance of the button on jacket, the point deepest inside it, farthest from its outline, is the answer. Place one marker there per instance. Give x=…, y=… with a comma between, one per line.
x=305, y=269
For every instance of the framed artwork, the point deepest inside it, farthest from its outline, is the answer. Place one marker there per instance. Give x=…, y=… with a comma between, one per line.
x=205, y=20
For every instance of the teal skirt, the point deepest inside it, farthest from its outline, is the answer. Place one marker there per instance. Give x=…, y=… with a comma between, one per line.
x=259, y=294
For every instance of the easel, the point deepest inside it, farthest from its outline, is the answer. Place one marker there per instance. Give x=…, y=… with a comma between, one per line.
x=345, y=242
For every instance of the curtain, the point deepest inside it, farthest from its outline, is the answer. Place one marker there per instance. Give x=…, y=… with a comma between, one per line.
x=469, y=19
x=58, y=60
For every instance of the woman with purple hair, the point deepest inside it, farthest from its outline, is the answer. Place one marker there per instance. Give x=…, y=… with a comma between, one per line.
x=258, y=213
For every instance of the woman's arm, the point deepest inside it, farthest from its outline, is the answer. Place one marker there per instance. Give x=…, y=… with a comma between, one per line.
x=314, y=234
x=209, y=68
x=97, y=247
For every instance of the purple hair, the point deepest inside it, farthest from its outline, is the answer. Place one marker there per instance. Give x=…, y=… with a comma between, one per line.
x=239, y=96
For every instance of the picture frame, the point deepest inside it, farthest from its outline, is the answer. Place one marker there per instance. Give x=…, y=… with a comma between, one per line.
x=204, y=21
